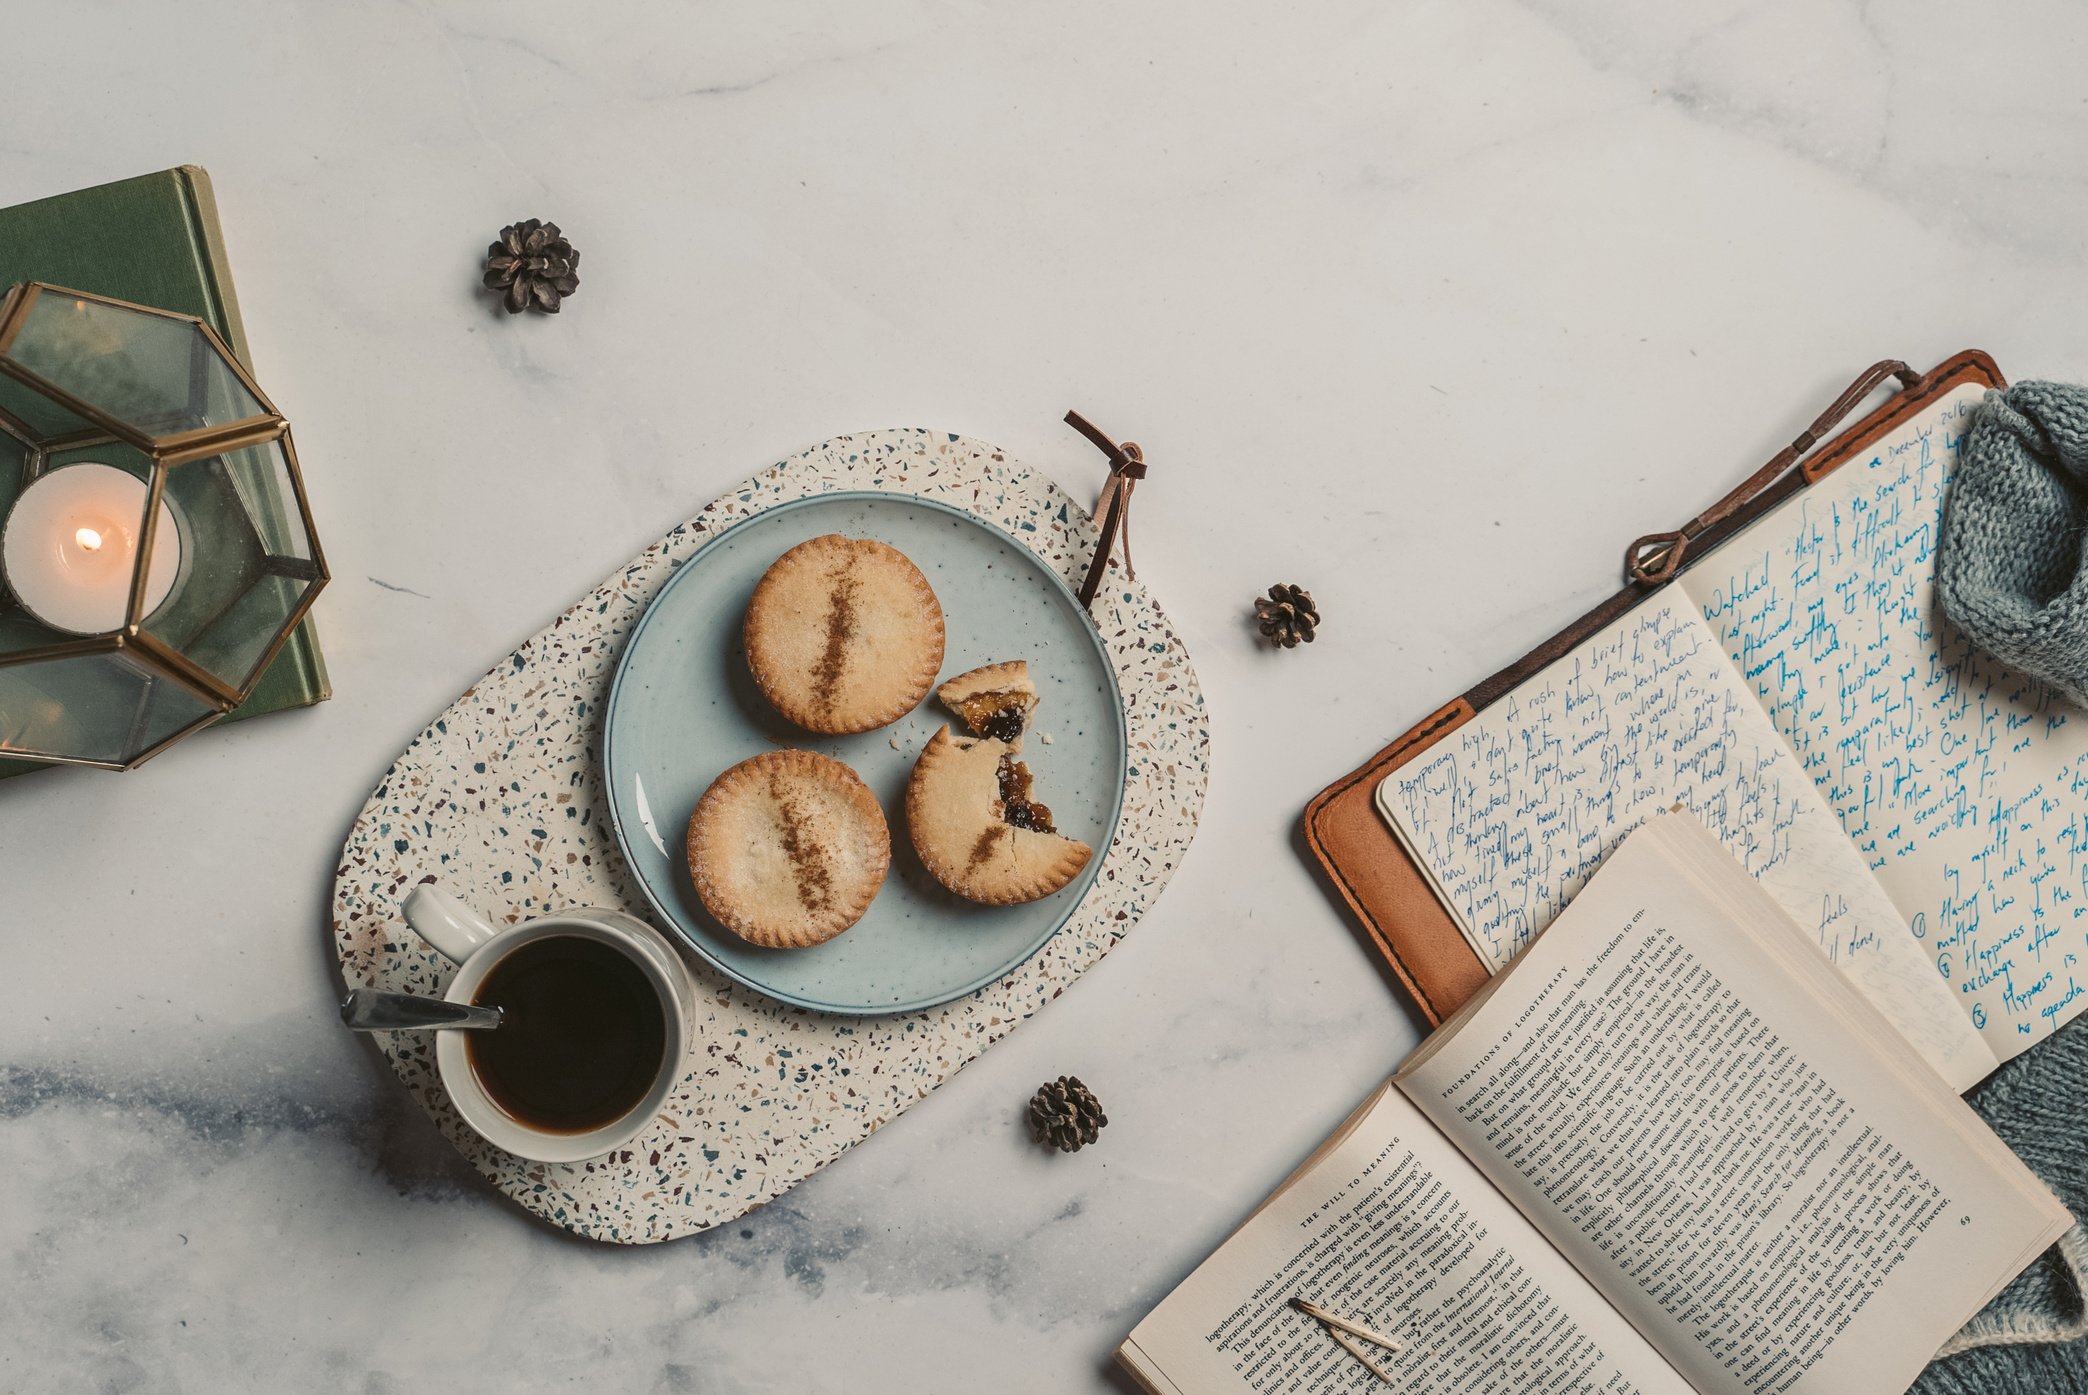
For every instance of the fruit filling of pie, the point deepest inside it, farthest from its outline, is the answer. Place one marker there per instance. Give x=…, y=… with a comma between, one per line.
x=999, y=716
x=1016, y=808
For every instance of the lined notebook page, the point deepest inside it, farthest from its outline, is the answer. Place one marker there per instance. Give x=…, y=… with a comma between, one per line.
x=1963, y=784
x=1511, y=813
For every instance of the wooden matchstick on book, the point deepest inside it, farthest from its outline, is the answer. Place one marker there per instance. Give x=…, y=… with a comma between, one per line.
x=1345, y=1331
x=1355, y=1348
x=1348, y=1325
x=1440, y=1194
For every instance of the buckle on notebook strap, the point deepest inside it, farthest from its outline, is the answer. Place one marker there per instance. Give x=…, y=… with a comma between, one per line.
x=1656, y=557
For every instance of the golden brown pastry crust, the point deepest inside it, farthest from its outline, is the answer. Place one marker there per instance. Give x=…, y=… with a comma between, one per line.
x=788, y=849
x=844, y=634
x=954, y=816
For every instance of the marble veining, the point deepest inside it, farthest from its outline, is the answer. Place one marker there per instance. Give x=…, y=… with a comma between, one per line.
x=1428, y=308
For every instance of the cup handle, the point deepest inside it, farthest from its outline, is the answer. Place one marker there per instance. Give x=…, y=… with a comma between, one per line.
x=452, y=927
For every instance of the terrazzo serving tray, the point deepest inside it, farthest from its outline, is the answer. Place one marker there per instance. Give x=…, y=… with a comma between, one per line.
x=500, y=801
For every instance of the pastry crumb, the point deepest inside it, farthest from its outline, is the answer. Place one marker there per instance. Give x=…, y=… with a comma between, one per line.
x=1045, y=737
x=895, y=742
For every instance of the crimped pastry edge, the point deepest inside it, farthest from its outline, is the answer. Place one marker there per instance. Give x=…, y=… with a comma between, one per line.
x=798, y=708
x=759, y=767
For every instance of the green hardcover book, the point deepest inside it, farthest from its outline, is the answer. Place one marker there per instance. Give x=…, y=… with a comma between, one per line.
x=153, y=240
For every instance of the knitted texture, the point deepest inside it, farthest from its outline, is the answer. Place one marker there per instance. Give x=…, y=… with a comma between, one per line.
x=2033, y=1337
x=2011, y=568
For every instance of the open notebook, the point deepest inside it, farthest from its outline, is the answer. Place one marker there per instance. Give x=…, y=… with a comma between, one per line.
x=1670, y=1149
x=1915, y=806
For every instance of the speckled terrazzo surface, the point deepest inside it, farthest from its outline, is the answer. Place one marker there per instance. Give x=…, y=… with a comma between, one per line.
x=499, y=800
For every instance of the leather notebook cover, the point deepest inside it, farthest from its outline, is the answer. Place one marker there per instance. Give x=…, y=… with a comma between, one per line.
x=1364, y=862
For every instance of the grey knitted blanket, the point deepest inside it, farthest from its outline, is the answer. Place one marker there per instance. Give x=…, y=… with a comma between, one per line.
x=2033, y=1338
x=2012, y=573
x=2010, y=569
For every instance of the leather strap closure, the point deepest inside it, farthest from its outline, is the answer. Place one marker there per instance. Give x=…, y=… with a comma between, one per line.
x=1655, y=558
x=1113, y=508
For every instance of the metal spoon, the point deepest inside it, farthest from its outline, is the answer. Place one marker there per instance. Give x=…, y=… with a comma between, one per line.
x=372, y=1010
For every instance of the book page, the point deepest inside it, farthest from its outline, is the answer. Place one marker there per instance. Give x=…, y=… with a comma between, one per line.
x=1511, y=812
x=1726, y=1138
x=1388, y=1225
x=1959, y=780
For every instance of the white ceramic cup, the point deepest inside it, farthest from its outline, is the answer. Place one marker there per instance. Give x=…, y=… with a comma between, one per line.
x=475, y=944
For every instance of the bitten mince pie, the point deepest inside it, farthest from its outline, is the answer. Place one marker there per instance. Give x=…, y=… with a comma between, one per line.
x=995, y=701
x=969, y=810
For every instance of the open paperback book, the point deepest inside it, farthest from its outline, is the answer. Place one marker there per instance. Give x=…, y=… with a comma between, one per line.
x=1669, y=1149
x=1916, y=806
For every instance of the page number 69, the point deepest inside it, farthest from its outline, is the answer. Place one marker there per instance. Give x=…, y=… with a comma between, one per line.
x=1964, y=1220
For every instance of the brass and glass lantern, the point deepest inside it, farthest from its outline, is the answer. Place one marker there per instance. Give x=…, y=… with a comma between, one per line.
x=155, y=544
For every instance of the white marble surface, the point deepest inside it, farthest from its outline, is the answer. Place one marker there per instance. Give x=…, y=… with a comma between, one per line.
x=1428, y=307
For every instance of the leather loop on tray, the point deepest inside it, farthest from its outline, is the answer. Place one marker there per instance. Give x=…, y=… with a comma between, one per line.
x=1113, y=510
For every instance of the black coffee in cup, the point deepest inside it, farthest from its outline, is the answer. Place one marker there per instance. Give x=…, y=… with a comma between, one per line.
x=582, y=1036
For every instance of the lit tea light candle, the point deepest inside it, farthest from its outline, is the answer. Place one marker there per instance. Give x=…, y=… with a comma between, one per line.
x=70, y=548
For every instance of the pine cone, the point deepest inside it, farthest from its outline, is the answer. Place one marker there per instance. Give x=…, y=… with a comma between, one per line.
x=532, y=266
x=1287, y=615
x=1064, y=1114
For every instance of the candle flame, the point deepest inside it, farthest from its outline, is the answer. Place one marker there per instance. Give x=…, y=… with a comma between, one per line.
x=88, y=539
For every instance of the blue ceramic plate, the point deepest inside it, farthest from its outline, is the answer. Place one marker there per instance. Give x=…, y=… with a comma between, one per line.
x=683, y=708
